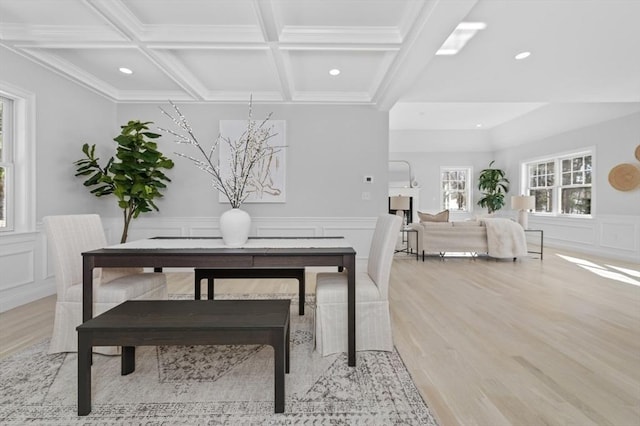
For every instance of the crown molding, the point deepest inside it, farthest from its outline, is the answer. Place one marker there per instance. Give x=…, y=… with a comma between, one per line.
x=147, y=96
x=329, y=35
x=332, y=97
x=243, y=96
x=202, y=33
x=56, y=34
x=178, y=72
x=70, y=71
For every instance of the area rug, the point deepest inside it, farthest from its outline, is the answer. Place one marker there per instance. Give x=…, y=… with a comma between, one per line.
x=214, y=385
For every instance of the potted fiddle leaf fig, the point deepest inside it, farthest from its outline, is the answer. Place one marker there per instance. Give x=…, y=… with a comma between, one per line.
x=135, y=177
x=493, y=184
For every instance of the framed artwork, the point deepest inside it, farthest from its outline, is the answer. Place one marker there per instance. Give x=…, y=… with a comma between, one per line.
x=269, y=173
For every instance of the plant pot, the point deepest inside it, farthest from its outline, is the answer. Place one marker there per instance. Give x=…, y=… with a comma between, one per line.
x=234, y=227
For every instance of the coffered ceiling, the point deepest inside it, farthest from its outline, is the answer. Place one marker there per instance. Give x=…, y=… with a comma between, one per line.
x=282, y=50
x=221, y=50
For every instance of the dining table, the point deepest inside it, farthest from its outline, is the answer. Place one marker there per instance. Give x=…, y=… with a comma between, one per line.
x=211, y=252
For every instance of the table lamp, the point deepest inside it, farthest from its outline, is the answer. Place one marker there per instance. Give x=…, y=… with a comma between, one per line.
x=400, y=203
x=523, y=203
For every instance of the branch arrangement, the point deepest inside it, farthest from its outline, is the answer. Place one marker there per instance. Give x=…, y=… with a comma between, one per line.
x=249, y=152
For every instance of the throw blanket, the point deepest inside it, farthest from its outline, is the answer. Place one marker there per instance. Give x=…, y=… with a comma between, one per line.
x=505, y=238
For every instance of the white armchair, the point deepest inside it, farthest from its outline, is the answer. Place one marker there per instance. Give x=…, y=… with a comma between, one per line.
x=68, y=237
x=373, y=321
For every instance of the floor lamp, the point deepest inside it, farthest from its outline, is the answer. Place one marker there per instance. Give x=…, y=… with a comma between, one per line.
x=400, y=203
x=523, y=203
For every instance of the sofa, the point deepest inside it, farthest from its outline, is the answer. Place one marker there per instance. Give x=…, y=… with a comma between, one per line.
x=446, y=237
x=499, y=238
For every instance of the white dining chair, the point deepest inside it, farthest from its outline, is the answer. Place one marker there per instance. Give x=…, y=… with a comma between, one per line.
x=68, y=237
x=373, y=321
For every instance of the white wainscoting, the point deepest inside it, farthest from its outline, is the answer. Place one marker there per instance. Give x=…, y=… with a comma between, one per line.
x=25, y=273
x=610, y=236
x=357, y=230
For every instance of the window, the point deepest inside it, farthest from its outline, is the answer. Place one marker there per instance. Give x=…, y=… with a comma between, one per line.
x=17, y=159
x=6, y=161
x=541, y=184
x=562, y=185
x=454, y=188
x=575, y=190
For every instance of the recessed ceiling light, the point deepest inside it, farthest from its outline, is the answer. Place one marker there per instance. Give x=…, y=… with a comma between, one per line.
x=334, y=71
x=459, y=37
x=124, y=70
x=479, y=125
x=522, y=55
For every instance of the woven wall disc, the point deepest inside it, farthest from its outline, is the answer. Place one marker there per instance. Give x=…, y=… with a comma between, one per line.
x=638, y=152
x=624, y=177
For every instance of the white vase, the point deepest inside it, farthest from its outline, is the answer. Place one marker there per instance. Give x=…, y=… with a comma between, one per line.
x=234, y=227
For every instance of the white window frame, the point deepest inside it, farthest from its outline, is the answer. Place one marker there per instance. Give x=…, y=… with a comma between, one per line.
x=6, y=161
x=21, y=202
x=469, y=187
x=557, y=186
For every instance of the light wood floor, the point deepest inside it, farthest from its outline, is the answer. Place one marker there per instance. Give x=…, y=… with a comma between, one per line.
x=487, y=342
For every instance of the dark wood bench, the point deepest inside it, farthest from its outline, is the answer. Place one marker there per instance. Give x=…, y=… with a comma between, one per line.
x=185, y=322
x=211, y=274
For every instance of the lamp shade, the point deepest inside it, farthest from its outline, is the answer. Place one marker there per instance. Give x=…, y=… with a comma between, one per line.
x=399, y=202
x=523, y=202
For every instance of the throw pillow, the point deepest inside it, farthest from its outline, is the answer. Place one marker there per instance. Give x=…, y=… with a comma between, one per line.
x=443, y=216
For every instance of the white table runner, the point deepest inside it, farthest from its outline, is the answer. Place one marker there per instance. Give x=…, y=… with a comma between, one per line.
x=208, y=243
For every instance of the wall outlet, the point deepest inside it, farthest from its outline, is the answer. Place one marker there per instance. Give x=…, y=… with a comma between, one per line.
x=368, y=179
x=366, y=195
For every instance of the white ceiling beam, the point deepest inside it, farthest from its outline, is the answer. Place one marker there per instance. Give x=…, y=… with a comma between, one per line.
x=332, y=97
x=341, y=35
x=242, y=96
x=80, y=44
x=51, y=34
x=270, y=30
x=178, y=72
x=266, y=19
x=120, y=18
x=73, y=73
x=202, y=33
x=339, y=47
x=142, y=96
x=434, y=23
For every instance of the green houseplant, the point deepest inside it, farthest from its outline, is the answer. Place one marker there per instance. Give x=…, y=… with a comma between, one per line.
x=135, y=177
x=493, y=184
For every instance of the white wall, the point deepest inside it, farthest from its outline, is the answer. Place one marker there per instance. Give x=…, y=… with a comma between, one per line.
x=426, y=168
x=330, y=150
x=614, y=142
x=66, y=115
x=614, y=229
x=410, y=141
